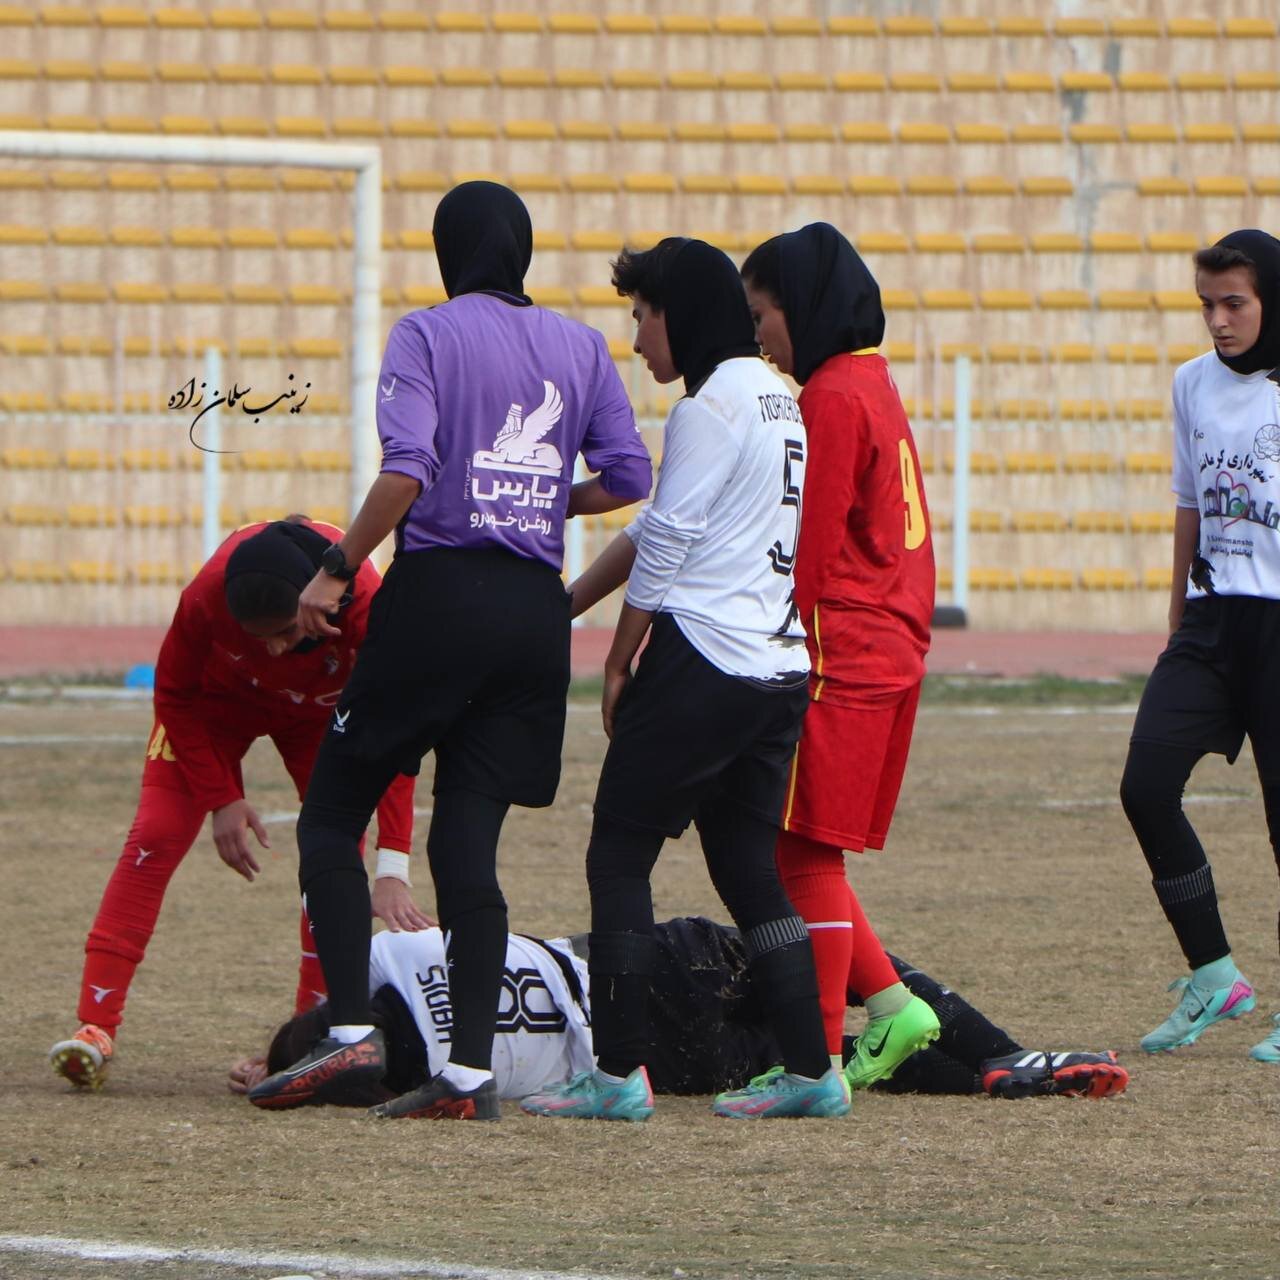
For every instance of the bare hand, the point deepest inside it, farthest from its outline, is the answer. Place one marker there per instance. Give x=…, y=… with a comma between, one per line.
x=246, y=1073
x=393, y=904
x=320, y=598
x=231, y=825
x=615, y=685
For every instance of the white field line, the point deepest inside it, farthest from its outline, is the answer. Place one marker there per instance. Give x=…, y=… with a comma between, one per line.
x=1105, y=802
x=291, y=815
x=59, y=739
x=328, y=1264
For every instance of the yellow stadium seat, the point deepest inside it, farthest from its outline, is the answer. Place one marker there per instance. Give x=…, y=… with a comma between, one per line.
x=1038, y=522
x=1157, y=579
x=981, y=463
x=30, y=513
x=324, y=460
x=86, y=460
x=1221, y=186
x=991, y=579
x=1030, y=462
x=157, y=574
x=1151, y=521
x=1164, y=185
x=1098, y=521
x=1088, y=462
x=1148, y=462
x=1048, y=186
x=147, y=459
x=1047, y=580
x=37, y=571
x=82, y=515
x=986, y=522
x=1014, y=353
x=1107, y=579
x=28, y=458
x=152, y=517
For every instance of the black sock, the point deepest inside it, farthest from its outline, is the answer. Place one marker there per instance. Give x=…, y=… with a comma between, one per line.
x=476, y=950
x=786, y=982
x=342, y=926
x=967, y=1035
x=622, y=966
x=1190, y=904
x=928, y=1070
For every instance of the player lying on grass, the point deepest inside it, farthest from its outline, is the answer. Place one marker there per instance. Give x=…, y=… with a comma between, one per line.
x=234, y=666
x=707, y=1029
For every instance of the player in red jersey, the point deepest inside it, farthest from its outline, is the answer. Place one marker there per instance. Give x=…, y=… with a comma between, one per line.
x=234, y=666
x=864, y=586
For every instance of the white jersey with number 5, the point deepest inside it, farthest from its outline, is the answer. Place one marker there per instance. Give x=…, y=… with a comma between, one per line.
x=716, y=546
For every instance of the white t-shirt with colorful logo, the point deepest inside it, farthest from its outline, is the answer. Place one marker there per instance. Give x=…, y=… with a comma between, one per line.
x=1226, y=465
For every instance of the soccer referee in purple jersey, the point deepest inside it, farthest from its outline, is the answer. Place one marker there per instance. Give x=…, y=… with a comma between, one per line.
x=484, y=404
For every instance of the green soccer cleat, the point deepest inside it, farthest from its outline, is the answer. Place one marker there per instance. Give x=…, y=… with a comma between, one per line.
x=778, y=1095
x=1268, y=1050
x=1197, y=1011
x=888, y=1042
x=590, y=1096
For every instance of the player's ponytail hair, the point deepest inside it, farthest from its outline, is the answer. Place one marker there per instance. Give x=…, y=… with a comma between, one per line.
x=763, y=269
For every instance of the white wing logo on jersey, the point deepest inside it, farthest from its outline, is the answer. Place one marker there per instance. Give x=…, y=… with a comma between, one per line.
x=520, y=446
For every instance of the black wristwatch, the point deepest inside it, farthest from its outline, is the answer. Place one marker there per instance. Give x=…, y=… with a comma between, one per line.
x=334, y=563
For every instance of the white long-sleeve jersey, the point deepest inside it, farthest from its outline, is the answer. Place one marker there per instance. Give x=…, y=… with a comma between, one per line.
x=543, y=1032
x=716, y=546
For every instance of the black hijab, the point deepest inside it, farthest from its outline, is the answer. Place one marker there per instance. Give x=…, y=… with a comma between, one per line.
x=830, y=299
x=282, y=550
x=1263, y=251
x=484, y=240
x=705, y=305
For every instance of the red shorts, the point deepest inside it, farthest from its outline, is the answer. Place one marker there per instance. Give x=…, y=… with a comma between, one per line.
x=847, y=772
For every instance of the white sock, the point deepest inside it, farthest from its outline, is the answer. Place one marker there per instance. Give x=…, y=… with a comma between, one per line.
x=465, y=1078
x=349, y=1033
x=609, y=1079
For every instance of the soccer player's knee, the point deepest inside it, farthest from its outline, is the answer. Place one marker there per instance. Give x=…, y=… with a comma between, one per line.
x=1143, y=790
x=322, y=848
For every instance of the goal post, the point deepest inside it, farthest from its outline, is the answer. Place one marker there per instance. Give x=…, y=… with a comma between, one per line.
x=366, y=293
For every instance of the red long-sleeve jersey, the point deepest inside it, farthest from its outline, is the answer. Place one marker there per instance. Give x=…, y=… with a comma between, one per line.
x=864, y=574
x=210, y=667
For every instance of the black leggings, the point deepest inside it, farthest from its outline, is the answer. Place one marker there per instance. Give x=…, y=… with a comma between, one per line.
x=462, y=848
x=738, y=847
x=1155, y=776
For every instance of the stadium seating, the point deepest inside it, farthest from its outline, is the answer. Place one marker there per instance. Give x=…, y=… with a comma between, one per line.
x=1027, y=185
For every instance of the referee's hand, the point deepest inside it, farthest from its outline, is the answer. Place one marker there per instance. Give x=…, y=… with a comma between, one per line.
x=231, y=826
x=320, y=597
x=615, y=685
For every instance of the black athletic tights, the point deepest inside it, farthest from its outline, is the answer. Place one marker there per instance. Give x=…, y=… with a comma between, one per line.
x=738, y=847
x=1155, y=776
x=462, y=848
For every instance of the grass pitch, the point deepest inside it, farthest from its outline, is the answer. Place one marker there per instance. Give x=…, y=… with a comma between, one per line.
x=1011, y=875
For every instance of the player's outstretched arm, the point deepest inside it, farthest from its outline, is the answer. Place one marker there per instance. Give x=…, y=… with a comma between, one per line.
x=606, y=573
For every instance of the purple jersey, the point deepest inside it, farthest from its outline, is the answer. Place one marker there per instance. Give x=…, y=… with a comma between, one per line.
x=487, y=406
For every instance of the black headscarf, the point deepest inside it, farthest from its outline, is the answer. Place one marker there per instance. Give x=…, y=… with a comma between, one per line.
x=266, y=574
x=708, y=320
x=484, y=240
x=1263, y=251
x=829, y=297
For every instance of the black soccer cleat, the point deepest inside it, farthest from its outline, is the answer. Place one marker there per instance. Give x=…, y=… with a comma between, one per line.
x=1028, y=1073
x=333, y=1073
x=439, y=1100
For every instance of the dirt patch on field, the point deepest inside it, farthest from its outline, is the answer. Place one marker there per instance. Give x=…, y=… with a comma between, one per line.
x=1011, y=875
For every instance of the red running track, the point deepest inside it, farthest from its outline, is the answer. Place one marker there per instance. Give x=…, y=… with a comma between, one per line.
x=109, y=651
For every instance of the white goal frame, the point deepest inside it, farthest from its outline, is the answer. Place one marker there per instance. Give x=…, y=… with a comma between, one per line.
x=366, y=293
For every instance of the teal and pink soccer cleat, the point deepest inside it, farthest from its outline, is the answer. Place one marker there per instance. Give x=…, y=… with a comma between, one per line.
x=778, y=1095
x=1197, y=1011
x=592, y=1096
x=1268, y=1050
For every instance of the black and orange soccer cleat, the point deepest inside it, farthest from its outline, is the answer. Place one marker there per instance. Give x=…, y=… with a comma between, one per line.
x=333, y=1074
x=85, y=1058
x=440, y=1100
x=1029, y=1073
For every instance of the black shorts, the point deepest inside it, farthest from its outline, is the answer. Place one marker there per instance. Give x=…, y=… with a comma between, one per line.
x=706, y=1032
x=467, y=653
x=1217, y=680
x=684, y=730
